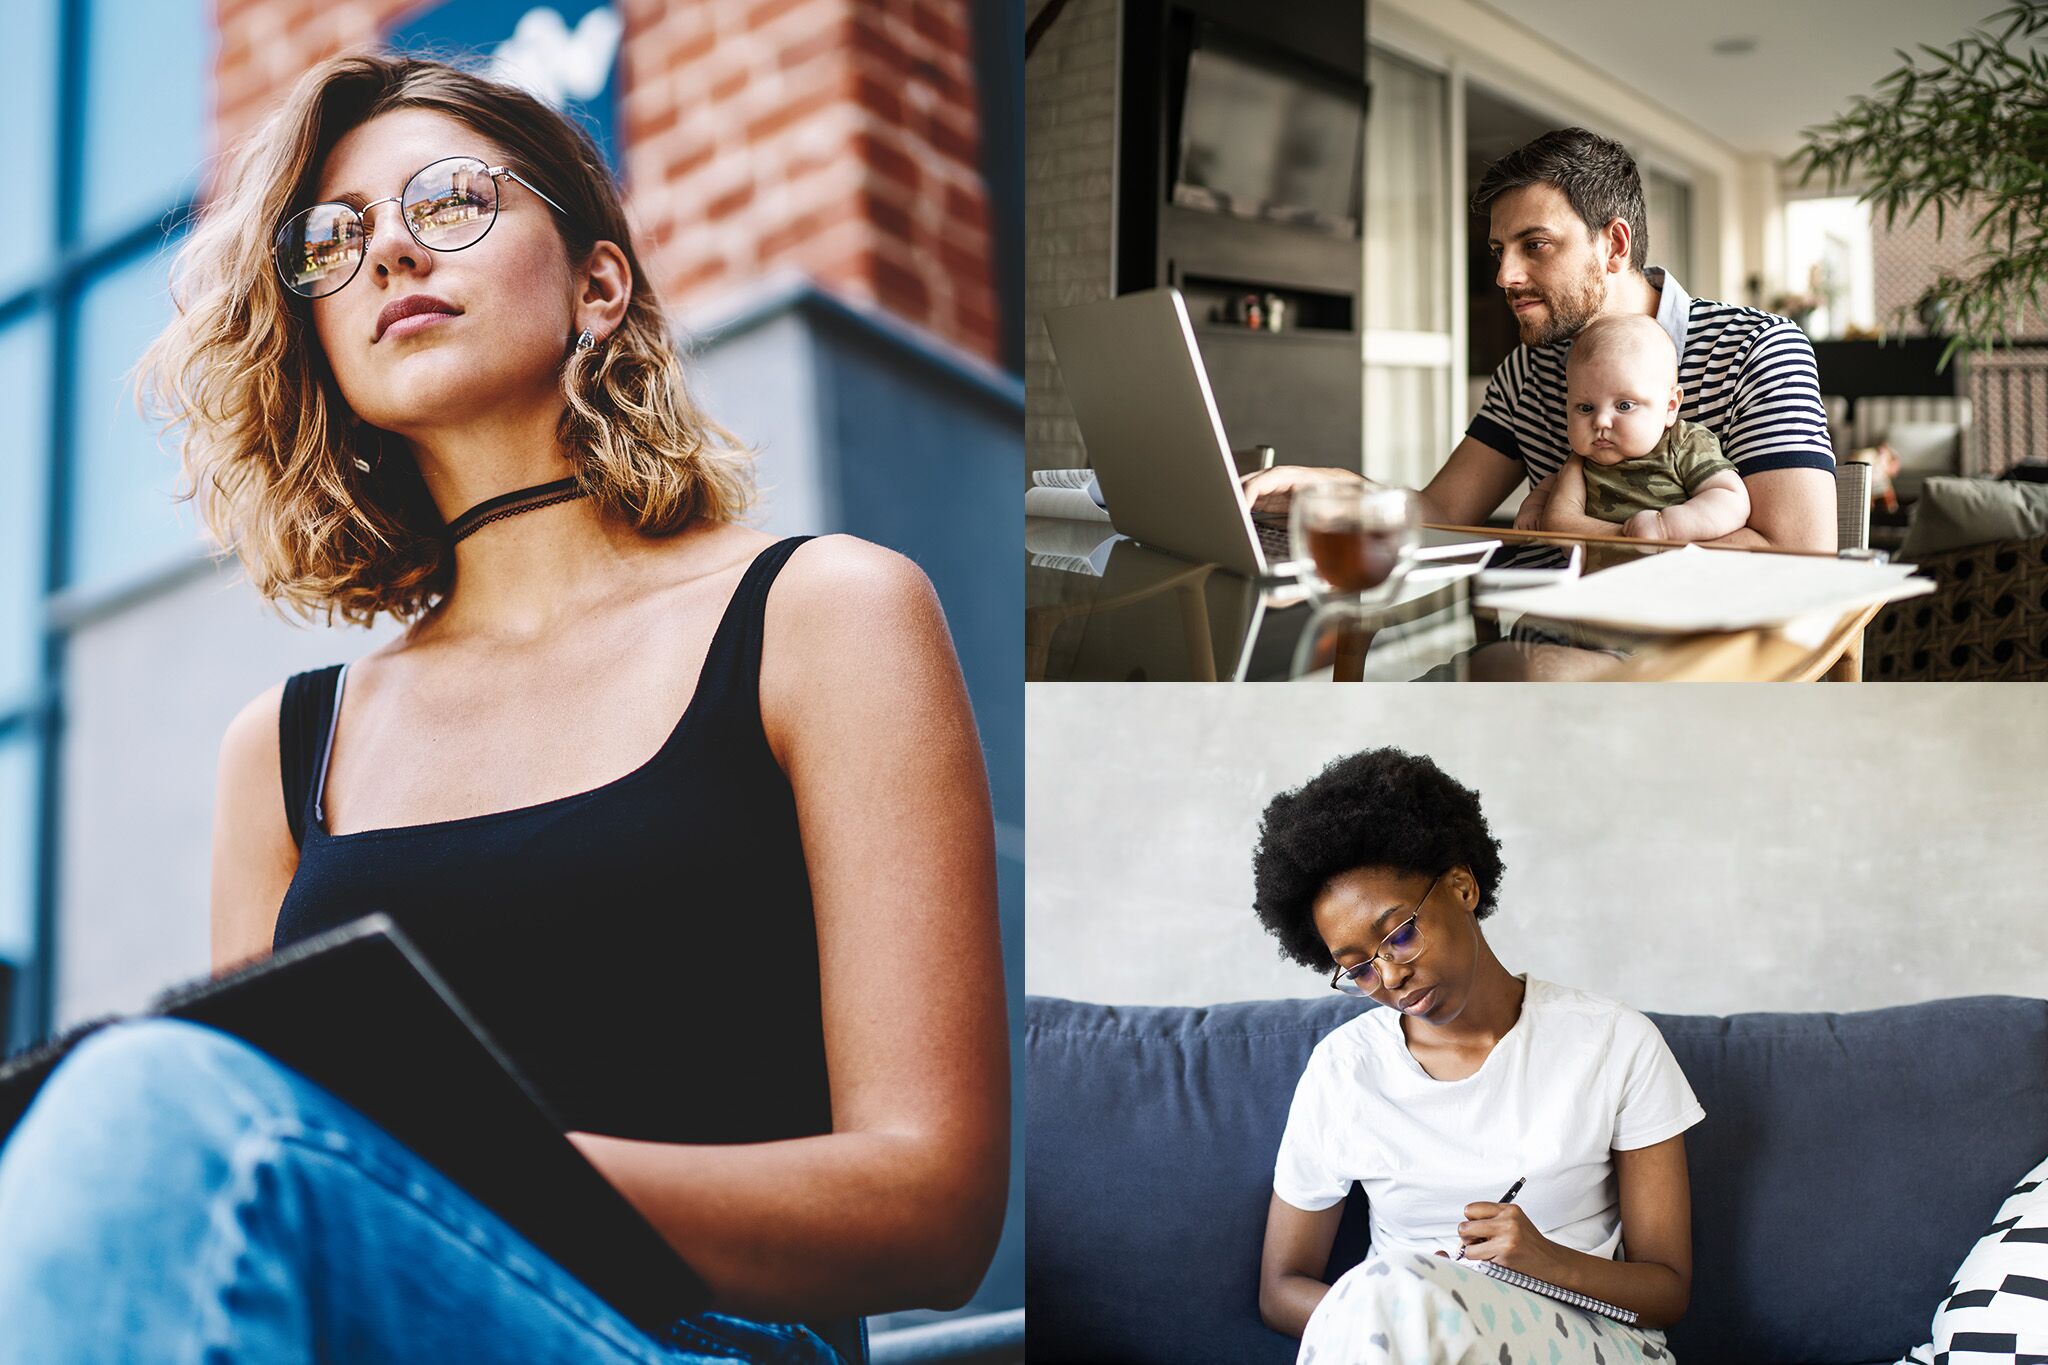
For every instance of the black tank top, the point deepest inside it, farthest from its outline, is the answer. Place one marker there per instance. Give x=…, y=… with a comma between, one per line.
x=644, y=951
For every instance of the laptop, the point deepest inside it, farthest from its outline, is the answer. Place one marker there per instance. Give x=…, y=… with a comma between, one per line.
x=1148, y=417
x=1135, y=378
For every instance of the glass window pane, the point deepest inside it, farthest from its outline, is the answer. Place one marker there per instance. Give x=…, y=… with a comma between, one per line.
x=1404, y=423
x=24, y=505
x=122, y=518
x=1670, y=209
x=1407, y=170
x=1831, y=286
x=148, y=69
x=28, y=151
x=17, y=851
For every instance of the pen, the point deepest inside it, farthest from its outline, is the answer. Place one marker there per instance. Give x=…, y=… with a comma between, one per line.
x=1507, y=1198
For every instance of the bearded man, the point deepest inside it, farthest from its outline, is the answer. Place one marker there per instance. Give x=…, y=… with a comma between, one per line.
x=1567, y=226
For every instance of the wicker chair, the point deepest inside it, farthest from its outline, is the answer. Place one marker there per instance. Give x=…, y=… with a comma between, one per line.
x=1986, y=621
x=1852, y=505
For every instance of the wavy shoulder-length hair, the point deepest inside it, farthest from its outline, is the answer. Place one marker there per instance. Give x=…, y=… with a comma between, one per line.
x=271, y=453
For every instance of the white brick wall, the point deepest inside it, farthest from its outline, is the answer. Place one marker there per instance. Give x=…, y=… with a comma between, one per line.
x=1069, y=164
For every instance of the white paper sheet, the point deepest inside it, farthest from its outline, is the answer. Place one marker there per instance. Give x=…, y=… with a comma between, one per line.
x=1686, y=591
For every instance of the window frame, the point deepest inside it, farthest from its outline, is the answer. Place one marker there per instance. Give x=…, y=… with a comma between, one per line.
x=57, y=286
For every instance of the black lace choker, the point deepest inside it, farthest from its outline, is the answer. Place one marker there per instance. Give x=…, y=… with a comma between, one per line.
x=512, y=504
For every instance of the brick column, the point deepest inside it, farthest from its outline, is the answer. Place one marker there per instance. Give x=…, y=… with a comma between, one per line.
x=833, y=137
x=836, y=138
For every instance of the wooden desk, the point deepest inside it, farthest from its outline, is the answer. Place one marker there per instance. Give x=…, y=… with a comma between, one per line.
x=1757, y=655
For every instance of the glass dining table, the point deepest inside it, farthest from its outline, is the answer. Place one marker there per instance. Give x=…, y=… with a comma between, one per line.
x=1119, y=611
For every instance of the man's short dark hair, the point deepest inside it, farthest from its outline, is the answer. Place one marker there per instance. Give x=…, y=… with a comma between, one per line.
x=1596, y=174
x=1380, y=808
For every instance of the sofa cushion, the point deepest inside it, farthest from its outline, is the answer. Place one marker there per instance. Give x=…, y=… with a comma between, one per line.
x=1149, y=1143
x=2001, y=1288
x=1846, y=1164
x=1926, y=450
x=1954, y=513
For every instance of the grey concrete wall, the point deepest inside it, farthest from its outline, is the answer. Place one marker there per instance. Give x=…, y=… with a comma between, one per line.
x=1686, y=849
x=761, y=385
x=148, y=692
x=1070, y=85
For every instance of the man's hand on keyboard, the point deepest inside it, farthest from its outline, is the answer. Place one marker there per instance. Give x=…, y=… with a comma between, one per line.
x=1272, y=490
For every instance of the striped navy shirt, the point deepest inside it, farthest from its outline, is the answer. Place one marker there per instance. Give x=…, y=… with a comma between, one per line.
x=1748, y=377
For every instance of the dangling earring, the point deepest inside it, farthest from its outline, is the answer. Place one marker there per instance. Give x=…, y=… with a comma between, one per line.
x=587, y=340
x=376, y=460
x=355, y=428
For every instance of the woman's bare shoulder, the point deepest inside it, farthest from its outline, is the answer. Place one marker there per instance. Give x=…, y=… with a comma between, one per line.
x=835, y=573
x=249, y=745
x=254, y=854
x=845, y=608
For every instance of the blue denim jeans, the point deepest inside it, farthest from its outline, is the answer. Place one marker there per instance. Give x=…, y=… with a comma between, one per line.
x=174, y=1195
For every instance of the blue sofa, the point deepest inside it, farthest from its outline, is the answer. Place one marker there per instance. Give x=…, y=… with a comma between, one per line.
x=1846, y=1165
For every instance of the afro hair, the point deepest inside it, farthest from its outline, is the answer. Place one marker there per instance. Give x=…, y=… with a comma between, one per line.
x=1380, y=808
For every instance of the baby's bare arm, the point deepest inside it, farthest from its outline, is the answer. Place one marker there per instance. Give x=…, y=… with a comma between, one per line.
x=1721, y=506
x=1566, y=511
x=1529, y=516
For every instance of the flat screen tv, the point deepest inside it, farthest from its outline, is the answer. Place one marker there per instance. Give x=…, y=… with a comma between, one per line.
x=1264, y=137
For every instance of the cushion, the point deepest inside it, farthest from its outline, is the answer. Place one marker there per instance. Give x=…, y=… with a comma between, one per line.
x=1895, y=1130
x=1997, y=1307
x=1924, y=447
x=1955, y=513
x=1149, y=1141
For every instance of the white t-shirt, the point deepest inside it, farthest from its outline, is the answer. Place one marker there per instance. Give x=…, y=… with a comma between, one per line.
x=1577, y=1077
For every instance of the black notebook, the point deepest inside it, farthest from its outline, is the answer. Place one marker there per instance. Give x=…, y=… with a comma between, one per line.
x=359, y=1012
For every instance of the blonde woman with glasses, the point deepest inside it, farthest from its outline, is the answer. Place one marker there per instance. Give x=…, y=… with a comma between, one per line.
x=694, y=820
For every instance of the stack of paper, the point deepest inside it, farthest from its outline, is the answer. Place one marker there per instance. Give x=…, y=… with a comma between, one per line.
x=1691, y=590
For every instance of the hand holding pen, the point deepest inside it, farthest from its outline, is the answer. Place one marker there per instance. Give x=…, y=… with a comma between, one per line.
x=1505, y=1199
x=1502, y=1233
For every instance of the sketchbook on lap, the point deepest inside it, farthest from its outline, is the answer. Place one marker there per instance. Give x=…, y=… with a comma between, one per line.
x=361, y=1013
x=1555, y=1291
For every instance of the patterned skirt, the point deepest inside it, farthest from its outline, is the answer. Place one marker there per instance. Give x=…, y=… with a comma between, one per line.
x=1413, y=1308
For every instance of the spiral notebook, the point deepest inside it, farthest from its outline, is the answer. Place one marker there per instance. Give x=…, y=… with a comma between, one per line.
x=1555, y=1291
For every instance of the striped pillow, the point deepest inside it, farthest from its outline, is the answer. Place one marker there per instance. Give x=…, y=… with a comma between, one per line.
x=1996, y=1312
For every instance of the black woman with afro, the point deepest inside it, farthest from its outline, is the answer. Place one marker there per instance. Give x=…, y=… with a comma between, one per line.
x=1492, y=1119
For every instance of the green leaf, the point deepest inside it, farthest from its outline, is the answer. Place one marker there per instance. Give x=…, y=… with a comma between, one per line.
x=1964, y=127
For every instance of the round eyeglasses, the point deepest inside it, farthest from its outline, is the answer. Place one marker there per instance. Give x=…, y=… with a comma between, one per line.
x=446, y=206
x=1401, y=947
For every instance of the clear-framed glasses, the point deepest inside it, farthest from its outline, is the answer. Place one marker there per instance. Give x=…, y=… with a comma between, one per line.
x=446, y=206
x=1402, y=946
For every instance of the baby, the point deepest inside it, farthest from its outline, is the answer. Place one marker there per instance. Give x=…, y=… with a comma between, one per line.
x=1635, y=463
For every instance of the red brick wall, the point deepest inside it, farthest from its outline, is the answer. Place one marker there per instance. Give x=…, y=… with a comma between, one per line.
x=836, y=138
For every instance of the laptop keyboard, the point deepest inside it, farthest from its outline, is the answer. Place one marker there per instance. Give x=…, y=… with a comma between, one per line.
x=1273, y=540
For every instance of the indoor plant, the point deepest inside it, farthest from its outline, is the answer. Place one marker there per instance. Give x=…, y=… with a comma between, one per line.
x=1960, y=131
